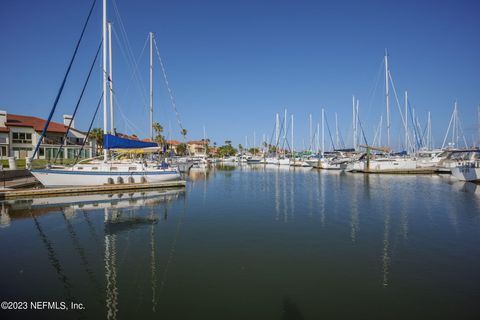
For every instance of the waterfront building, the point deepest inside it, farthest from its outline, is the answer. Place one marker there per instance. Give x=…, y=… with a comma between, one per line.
x=197, y=148
x=172, y=145
x=19, y=135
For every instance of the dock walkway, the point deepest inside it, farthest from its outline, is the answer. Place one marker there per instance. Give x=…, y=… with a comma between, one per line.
x=46, y=192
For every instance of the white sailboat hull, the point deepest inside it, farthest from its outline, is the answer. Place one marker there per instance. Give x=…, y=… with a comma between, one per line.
x=464, y=173
x=330, y=165
x=299, y=163
x=272, y=161
x=383, y=165
x=66, y=177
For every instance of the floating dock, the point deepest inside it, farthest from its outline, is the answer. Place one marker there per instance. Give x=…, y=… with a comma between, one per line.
x=399, y=171
x=106, y=188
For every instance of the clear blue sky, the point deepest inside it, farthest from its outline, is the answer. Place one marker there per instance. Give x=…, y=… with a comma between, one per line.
x=233, y=64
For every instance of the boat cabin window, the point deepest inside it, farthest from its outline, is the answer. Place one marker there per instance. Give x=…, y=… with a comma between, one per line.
x=79, y=168
x=132, y=168
x=94, y=168
x=113, y=168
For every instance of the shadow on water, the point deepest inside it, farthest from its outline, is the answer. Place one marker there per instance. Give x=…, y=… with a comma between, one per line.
x=290, y=310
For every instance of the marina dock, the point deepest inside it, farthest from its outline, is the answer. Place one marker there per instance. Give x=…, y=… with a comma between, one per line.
x=400, y=171
x=52, y=192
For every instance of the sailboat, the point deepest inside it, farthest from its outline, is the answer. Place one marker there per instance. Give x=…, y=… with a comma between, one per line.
x=108, y=171
x=388, y=163
x=468, y=168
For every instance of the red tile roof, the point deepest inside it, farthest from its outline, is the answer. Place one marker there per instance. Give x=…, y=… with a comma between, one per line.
x=197, y=142
x=4, y=129
x=126, y=136
x=33, y=122
x=173, y=142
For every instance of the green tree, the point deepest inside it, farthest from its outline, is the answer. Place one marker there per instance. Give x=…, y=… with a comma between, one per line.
x=159, y=138
x=157, y=127
x=207, y=146
x=227, y=150
x=97, y=135
x=183, y=132
x=272, y=148
x=228, y=142
x=181, y=149
x=254, y=151
x=240, y=147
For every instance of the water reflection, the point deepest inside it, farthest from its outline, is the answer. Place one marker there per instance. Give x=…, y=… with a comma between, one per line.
x=122, y=214
x=54, y=261
x=70, y=205
x=324, y=191
x=4, y=216
x=199, y=174
x=254, y=233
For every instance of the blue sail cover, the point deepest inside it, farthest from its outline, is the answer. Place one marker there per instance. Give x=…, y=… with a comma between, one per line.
x=113, y=142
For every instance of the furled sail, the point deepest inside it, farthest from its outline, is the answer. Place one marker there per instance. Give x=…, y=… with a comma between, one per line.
x=113, y=142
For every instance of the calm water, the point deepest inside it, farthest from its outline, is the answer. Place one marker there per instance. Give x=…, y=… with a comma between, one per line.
x=251, y=243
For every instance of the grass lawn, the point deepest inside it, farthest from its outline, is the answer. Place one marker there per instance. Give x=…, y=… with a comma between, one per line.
x=36, y=164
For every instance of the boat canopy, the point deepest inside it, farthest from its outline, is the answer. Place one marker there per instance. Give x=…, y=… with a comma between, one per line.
x=113, y=142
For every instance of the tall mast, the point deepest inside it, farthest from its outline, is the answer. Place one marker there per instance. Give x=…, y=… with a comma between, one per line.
x=415, y=128
x=285, y=127
x=104, y=45
x=111, y=76
x=356, y=121
x=337, y=141
x=406, y=121
x=380, y=131
x=318, y=137
x=293, y=150
x=323, y=132
x=454, y=128
x=277, y=129
x=429, y=135
x=151, y=85
x=354, y=129
x=387, y=97
x=448, y=129
x=311, y=138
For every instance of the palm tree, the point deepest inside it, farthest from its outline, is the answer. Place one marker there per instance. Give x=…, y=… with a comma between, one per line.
x=157, y=127
x=159, y=138
x=207, y=147
x=97, y=135
x=181, y=149
x=183, y=132
x=228, y=142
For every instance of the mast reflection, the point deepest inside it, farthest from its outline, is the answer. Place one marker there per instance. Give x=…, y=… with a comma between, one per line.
x=121, y=214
